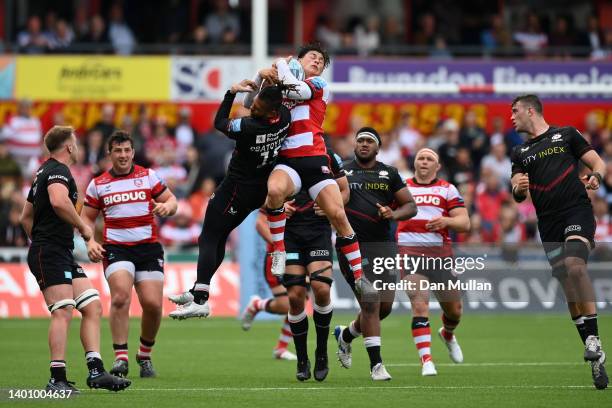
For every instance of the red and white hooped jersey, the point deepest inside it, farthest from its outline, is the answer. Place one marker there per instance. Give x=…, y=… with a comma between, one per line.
x=125, y=202
x=432, y=200
x=305, y=136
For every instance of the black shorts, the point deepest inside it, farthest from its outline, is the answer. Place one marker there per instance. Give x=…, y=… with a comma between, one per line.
x=371, y=255
x=311, y=173
x=236, y=200
x=53, y=265
x=555, y=229
x=143, y=261
x=305, y=246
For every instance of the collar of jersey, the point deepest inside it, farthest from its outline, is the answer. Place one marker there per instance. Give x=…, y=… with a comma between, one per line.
x=434, y=181
x=112, y=173
x=540, y=137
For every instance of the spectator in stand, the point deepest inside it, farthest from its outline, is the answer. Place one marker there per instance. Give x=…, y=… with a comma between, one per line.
x=389, y=151
x=440, y=49
x=97, y=38
x=80, y=23
x=198, y=200
x=11, y=231
x=194, y=172
x=199, y=39
x=532, y=39
x=367, y=36
x=94, y=149
x=510, y=233
x=490, y=196
x=106, y=123
x=497, y=38
x=184, y=133
x=427, y=30
x=449, y=147
x=9, y=168
x=180, y=231
x=62, y=37
x=143, y=129
x=220, y=21
x=464, y=169
x=528, y=217
x=160, y=142
x=119, y=32
x=603, y=229
x=23, y=135
x=215, y=151
x=32, y=40
x=605, y=190
x=473, y=137
x=410, y=139
x=169, y=169
x=594, y=38
x=327, y=32
x=81, y=171
x=561, y=39
x=392, y=33
x=497, y=160
x=594, y=130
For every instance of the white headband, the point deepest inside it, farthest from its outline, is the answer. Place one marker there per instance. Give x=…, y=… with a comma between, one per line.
x=368, y=135
x=428, y=150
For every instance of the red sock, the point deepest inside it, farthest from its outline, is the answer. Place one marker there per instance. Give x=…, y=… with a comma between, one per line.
x=350, y=249
x=285, y=336
x=449, y=327
x=145, y=349
x=276, y=220
x=121, y=351
x=421, y=333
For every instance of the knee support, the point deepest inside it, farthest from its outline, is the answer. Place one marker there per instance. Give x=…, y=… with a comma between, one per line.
x=60, y=304
x=577, y=248
x=294, y=280
x=316, y=276
x=86, y=298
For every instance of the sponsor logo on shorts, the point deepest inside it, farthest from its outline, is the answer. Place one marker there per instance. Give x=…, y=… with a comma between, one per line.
x=325, y=170
x=573, y=228
x=293, y=256
x=319, y=252
x=160, y=262
x=231, y=211
x=68, y=274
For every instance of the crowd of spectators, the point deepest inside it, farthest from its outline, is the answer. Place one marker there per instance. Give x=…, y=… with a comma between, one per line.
x=193, y=164
x=438, y=31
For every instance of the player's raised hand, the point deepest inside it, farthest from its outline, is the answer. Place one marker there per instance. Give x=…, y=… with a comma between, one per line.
x=95, y=251
x=269, y=74
x=384, y=212
x=437, y=223
x=289, y=208
x=160, y=209
x=246, y=85
x=592, y=182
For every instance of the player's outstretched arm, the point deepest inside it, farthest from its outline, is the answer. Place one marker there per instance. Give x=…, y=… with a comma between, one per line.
x=598, y=168
x=407, y=207
x=95, y=251
x=301, y=91
x=27, y=218
x=222, y=121
x=250, y=96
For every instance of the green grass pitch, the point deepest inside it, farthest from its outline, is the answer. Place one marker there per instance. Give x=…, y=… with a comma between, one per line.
x=510, y=360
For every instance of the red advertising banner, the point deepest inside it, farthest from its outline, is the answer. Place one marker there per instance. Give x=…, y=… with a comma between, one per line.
x=381, y=114
x=20, y=296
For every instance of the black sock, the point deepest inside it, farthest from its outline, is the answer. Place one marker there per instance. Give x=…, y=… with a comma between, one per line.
x=579, y=322
x=58, y=370
x=200, y=293
x=372, y=345
x=94, y=362
x=590, y=325
x=299, y=329
x=347, y=335
x=322, y=317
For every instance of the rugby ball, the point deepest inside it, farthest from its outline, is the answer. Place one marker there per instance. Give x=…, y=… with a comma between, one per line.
x=296, y=69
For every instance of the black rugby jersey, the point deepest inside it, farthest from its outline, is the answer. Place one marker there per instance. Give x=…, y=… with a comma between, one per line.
x=552, y=162
x=368, y=187
x=257, y=141
x=304, y=215
x=48, y=227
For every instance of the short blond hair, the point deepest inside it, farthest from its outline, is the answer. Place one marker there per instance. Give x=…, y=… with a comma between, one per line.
x=57, y=136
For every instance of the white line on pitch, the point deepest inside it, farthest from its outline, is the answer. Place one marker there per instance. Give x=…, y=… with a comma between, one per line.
x=509, y=364
x=407, y=387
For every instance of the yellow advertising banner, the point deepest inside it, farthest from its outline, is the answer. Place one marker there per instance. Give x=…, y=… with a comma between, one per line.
x=92, y=78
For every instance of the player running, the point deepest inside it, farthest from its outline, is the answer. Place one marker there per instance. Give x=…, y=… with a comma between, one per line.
x=375, y=188
x=547, y=166
x=303, y=162
x=440, y=209
x=129, y=197
x=277, y=304
x=49, y=217
x=258, y=140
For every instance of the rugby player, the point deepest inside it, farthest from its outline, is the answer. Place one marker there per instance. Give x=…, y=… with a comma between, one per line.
x=278, y=303
x=303, y=162
x=378, y=196
x=243, y=190
x=49, y=217
x=547, y=167
x=129, y=197
x=440, y=209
